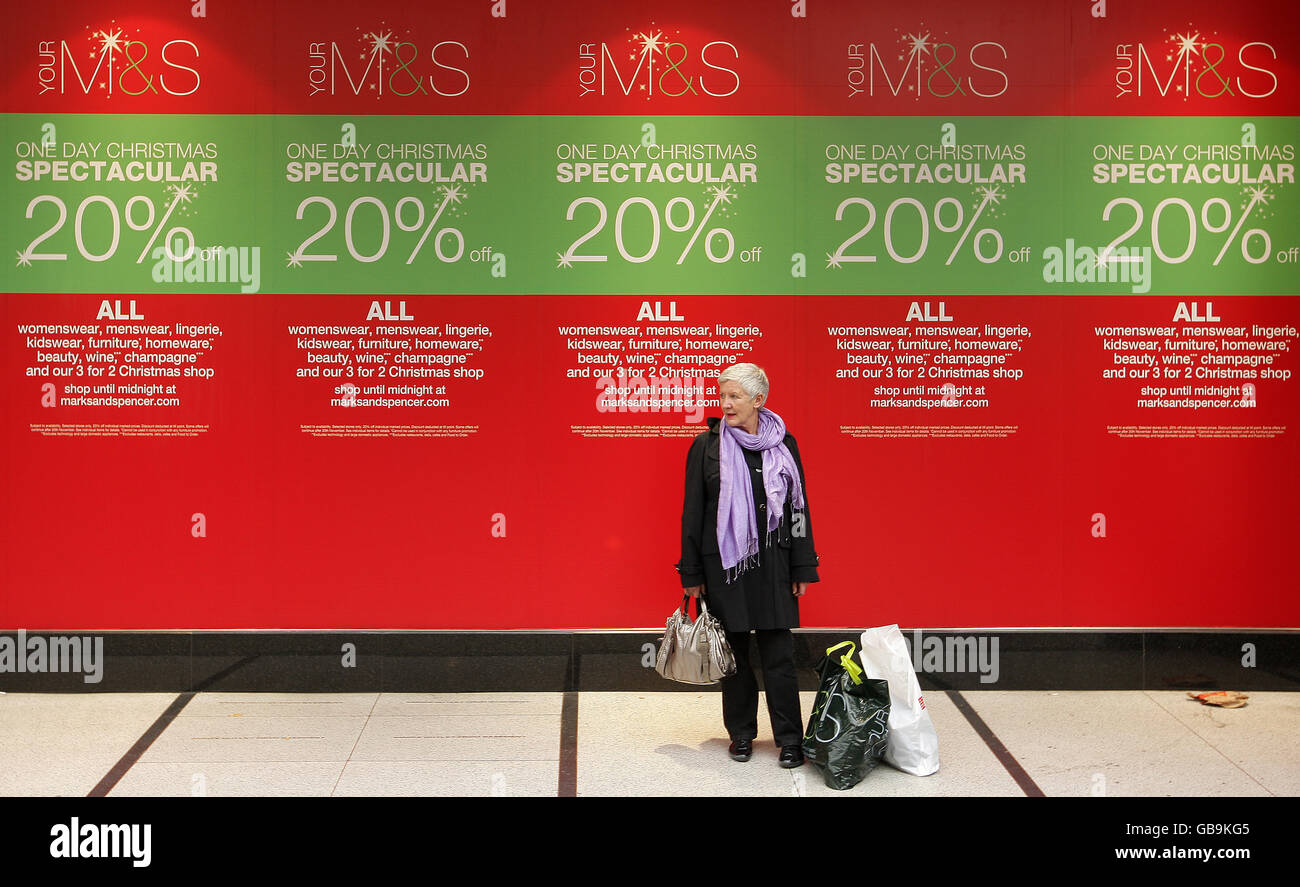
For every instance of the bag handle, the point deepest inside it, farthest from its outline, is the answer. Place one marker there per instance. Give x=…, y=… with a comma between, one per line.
x=854, y=670
x=686, y=604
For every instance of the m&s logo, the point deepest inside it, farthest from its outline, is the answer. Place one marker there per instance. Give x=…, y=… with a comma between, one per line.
x=115, y=64
x=927, y=66
x=653, y=64
x=381, y=64
x=1186, y=65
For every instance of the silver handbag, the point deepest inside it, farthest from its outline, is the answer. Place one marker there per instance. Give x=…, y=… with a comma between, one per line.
x=694, y=653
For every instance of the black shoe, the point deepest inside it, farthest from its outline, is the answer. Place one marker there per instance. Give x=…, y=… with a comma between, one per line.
x=791, y=756
x=741, y=749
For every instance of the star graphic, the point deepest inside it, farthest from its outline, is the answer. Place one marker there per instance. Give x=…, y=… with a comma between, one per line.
x=379, y=42
x=182, y=194
x=920, y=42
x=110, y=42
x=721, y=193
x=294, y=260
x=1259, y=194
x=1187, y=43
x=833, y=260
x=993, y=195
x=452, y=193
x=565, y=260
x=651, y=42
x=24, y=258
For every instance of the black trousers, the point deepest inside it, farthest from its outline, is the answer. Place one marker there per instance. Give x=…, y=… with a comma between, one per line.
x=740, y=691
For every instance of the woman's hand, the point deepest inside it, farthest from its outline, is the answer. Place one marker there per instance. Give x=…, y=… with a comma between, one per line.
x=694, y=590
x=799, y=588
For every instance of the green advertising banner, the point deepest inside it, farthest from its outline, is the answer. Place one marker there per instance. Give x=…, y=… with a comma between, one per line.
x=620, y=204
x=137, y=203
x=398, y=204
x=1197, y=205
x=646, y=206
x=916, y=204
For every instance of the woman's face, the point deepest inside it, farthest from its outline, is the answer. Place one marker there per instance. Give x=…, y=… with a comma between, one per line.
x=739, y=410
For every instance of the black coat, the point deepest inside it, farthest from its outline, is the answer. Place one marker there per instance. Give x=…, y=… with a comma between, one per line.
x=762, y=596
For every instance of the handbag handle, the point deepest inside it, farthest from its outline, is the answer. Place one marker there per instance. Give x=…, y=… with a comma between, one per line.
x=704, y=611
x=704, y=608
x=686, y=603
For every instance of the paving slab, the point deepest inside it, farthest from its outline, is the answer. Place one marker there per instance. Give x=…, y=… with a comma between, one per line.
x=1099, y=743
x=62, y=744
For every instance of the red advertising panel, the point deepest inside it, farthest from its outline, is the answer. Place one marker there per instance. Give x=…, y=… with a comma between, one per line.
x=393, y=315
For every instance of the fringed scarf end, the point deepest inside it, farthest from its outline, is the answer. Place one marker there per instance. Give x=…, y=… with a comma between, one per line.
x=745, y=565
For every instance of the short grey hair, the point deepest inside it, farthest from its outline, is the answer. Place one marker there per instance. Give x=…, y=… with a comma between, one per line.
x=748, y=376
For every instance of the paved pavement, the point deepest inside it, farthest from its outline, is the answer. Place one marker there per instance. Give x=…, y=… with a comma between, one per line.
x=631, y=743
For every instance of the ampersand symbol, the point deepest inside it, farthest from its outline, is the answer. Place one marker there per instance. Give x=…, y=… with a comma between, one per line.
x=1210, y=66
x=403, y=65
x=821, y=716
x=672, y=67
x=135, y=66
x=943, y=67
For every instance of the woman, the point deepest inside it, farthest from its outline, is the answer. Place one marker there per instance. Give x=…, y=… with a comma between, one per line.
x=747, y=546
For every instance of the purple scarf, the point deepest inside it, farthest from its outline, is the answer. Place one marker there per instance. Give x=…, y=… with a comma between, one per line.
x=737, y=529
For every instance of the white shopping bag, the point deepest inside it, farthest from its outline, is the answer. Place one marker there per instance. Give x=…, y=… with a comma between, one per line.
x=913, y=743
